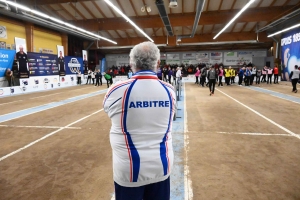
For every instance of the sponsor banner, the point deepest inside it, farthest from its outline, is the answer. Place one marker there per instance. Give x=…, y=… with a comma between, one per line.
x=290, y=52
x=85, y=62
x=230, y=54
x=163, y=56
x=200, y=56
x=123, y=58
x=122, y=63
x=120, y=78
x=42, y=64
x=172, y=56
x=6, y=60
x=173, y=62
x=245, y=54
x=189, y=78
x=73, y=64
x=190, y=62
x=259, y=54
x=215, y=61
x=189, y=56
x=237, y=60
x=103, y=63
x=214, y=55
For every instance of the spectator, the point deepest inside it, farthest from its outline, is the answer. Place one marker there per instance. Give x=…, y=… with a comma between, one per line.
x=197, y=75
x=98, y=76
x=212, y=76
x=275, y=74
x=270, y=74
x=9, y=77
x=89, y=77
x=294, y=77
x=93, y=77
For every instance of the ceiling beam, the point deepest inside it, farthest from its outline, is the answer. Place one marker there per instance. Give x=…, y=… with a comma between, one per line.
x=286, y=2
x=233, y=4
x=198, y=38
x=221, y=3
x=182, y=8
x=44, y=2
x=67, y=11
x=51, y=12
x=130, y=1
x=273, y=2
x=118, y=34
x=99, y=9
x=207, y=5
x=77, y=11
x=207, y=18
x=243, y=27
x=88, y=10
x=258, y=5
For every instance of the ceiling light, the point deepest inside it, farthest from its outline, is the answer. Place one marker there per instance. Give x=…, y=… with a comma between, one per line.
x=126, y=18
x=284, y=30
x=35, y=12
x=235, y=17
x=148, y=8
x=173, y=4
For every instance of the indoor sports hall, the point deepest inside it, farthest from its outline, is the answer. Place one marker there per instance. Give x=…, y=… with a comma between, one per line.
x=234, y=136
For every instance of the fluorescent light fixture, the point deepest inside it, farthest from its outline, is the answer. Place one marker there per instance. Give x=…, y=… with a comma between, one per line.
x=127, y=19
x=235, y=17
x=127, y=47
x=218, y=43
x=284, y=30
x=35, y=12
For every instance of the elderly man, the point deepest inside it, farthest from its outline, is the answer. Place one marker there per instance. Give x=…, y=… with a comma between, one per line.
x=21, y=57
x=141, y=111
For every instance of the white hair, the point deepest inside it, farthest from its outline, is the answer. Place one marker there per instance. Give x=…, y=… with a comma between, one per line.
x=144, y=56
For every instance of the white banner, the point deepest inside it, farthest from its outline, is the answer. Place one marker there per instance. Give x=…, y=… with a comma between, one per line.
x=123, y=58
x=245, y=54
x=237, y=60
x=230, y=54
x=163, y=56
x=216, y=61
x=173, y=62
x=122, y=63
x=172, y=56
x=259, y=54
x=189, y=56
x=216, y=55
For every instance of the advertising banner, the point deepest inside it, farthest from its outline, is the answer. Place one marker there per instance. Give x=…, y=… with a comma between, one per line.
x=73, y=65
x=216, y=61
x=290, y=52
x=230, y=54
x=173, y=62
x=103, y=63
x=202, y=57
x=189, y=56
x=237, y=60
x=21, y=57
x=61, y=61
x=6, y=60
x=214, y=55
x=172, y=56
x=42, y=64
x=163, y=56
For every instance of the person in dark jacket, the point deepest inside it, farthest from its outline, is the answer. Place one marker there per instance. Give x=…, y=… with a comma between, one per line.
x=170, y=74
x=294, y=77
x=212, y=76
x=98, y=78
x=241, y=75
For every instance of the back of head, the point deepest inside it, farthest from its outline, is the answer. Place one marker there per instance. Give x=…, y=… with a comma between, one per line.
x=144, y=56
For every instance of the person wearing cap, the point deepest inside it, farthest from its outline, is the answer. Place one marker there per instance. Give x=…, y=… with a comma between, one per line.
x=141, y=110
x=294, y=77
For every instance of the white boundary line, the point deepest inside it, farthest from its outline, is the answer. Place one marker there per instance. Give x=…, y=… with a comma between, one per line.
x=48, y=127
x=46, y=136
x=46, y=95
x=188, y=189
x=259, y=134
x=271, y=121
x=10, y=102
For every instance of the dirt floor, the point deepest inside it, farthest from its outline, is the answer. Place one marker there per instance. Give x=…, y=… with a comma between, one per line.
x=233, y=152
x=226, y=162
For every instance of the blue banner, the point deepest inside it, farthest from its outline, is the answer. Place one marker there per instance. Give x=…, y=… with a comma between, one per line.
x=103, y=63
x=73, y=64
x=290, y=52
x=6, y=60
x=41, y=64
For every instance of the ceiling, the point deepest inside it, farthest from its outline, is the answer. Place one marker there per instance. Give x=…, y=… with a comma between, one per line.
x=97, y=16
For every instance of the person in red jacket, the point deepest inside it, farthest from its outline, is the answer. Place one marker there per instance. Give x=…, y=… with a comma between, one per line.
x=275, y=71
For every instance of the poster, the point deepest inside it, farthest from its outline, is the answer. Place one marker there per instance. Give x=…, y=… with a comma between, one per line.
x=290, y=52
x=3, y=32
x=42, y=64
x=21, y=57
x=73, y=65
x=6, y=60
x=85, y=62
x=61, y=61
x=2, y=45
